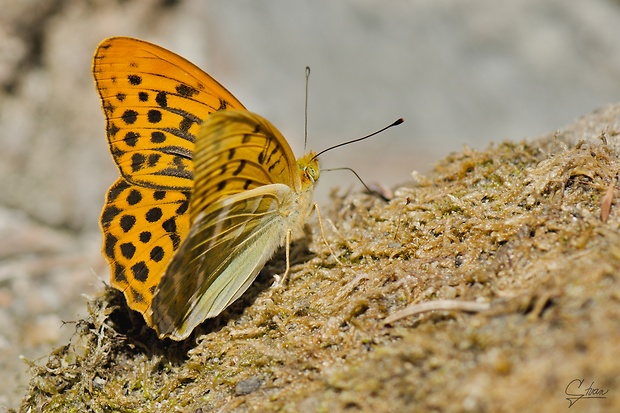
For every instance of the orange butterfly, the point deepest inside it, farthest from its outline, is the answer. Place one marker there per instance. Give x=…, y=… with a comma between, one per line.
x=208, y=191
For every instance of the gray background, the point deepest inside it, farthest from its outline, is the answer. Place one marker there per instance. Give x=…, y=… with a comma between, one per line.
x=460, y=73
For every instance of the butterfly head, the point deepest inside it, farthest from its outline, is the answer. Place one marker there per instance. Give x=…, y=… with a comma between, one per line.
x=309, y=167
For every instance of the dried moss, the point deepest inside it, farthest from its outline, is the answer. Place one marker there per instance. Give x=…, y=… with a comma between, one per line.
x=517, y=225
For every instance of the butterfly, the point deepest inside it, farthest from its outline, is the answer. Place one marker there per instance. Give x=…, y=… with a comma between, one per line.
x=207, y=192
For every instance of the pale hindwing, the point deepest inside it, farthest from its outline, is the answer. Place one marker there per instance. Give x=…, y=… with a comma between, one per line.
x=228, y=244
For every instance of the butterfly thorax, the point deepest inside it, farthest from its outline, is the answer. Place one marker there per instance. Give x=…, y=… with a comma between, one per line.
x=297, y=207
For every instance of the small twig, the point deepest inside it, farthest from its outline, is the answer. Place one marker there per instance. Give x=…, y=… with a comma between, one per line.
x=437, y=305
x=607, y=200
x=407, y=202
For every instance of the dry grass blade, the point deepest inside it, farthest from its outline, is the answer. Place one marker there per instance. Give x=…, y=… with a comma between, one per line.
x=607, y=201
x=438, y=305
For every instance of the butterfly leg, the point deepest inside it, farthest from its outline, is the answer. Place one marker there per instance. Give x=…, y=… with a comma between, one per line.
x=281, y=281
x=331, y=251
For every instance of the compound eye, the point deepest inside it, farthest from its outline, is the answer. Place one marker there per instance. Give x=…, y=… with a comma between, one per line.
x=311, y=173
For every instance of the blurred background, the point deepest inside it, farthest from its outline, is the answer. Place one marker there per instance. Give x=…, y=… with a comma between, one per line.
x=460, y=73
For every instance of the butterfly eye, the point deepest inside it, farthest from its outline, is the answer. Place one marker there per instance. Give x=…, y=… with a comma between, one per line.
x=312, y=173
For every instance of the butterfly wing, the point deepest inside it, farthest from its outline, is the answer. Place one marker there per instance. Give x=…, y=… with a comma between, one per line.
x=154, y=102
x=226, y=248
x=238, y=151
x=247, y=194
x=142, y=228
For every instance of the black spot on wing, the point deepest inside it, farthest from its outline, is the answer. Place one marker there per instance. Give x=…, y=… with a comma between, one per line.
x=161, y=99
x=153, y=159
x=134, y=197
x=112, y=130
x=240, y=167
x=186, y=91
x=145, y=236
x=137, y=162
x=131, y=138
x=176, y=172
x=154, y=116
x=134, y=80
x=137, y=296
x=176, y=239
x=130, y=116
x=180, y=134
x=273, y=152
x=127, y=222
x=154, y=214
x=109, y=213
x=119, y=273
x=158, y=137
x=108, y=107
x=140, y=271
x=182, y=209
x=185, y=124
x=116, y=190
x=223, y=104
x=169, y=225
x=128, y=250
x=273, y=166
x=157, y=254
x=109, y=244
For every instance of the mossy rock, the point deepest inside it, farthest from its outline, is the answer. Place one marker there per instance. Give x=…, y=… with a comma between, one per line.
x=528, y=232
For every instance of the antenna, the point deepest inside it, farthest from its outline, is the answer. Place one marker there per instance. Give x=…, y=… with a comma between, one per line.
x=395, y=123
x=359, y=178
x=306, y=109
x=345, y=168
